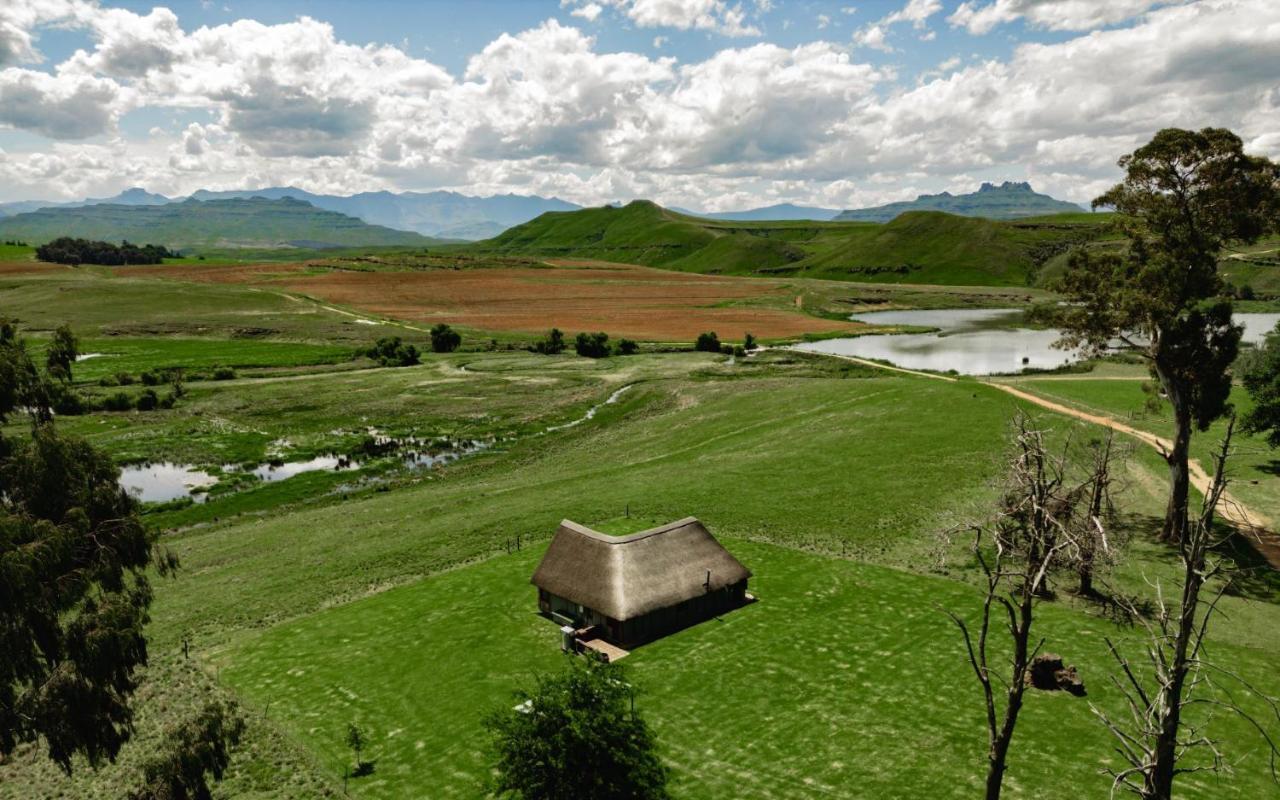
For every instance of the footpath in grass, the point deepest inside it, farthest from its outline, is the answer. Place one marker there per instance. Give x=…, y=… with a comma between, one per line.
x=845, y=680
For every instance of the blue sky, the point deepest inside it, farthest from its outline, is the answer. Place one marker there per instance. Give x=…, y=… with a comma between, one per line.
x=699, y=103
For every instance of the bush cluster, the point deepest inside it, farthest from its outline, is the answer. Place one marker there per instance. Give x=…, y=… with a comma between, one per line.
x=66, y=250
x=444, y=339
x=389, y=351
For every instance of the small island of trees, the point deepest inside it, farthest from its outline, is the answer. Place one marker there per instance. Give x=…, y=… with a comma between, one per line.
x=66, y=250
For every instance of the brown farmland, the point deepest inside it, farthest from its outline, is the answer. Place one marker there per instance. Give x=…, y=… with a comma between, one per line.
x=623, y=300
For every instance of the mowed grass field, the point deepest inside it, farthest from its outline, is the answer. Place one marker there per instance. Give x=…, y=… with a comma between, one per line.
x=844, y=680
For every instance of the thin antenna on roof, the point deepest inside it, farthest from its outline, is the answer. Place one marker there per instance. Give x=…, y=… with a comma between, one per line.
x=707, y=583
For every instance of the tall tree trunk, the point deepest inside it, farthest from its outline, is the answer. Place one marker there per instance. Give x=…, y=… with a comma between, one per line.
x=1175, y=515
x=998, y=755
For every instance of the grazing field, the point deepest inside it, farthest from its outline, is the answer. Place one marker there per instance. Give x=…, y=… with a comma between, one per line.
x=833, y=684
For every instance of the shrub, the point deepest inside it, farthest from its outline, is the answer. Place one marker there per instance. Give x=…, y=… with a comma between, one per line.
x=150, y=378
x=626, y=347
x=1246, y=292
x=592, y=345
x=707, y=343
x=577, y=734
x=739, y=350
x=108, y=381
x=389, y=351
x=726, y=348
x=552, y=344
x=749, y=342
x=67, y=403
x=148, y=400
x=223, y=373
x=124, y=379
x=117, y=402
x=444, y=339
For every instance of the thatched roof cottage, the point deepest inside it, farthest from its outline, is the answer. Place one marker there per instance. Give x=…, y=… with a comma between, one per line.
x=638, y=587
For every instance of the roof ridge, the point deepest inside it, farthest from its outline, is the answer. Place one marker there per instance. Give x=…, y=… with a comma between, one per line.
x=583, y=530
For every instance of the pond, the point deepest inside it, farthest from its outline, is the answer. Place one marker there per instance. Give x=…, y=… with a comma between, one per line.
x=975, y=341
x=164, y=481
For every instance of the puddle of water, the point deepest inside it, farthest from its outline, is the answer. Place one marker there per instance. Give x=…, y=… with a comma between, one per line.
x=87, y=356
x=279, y=471
x=165, y=481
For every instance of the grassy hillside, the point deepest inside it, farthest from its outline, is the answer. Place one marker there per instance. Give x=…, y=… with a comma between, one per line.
x=254, y=222
x=918, y=247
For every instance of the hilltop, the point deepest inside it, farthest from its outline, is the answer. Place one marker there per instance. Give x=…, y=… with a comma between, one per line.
x=917, y=247
x=255, y=222
x=1009, y=200
x=779, y=211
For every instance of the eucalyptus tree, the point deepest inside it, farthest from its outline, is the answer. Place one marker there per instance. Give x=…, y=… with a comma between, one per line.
x=1185, y=196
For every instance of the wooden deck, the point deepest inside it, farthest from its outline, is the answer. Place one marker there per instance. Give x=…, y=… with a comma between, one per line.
x=610, y=652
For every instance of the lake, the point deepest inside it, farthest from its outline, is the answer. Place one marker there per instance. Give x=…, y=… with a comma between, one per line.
x=974, y=341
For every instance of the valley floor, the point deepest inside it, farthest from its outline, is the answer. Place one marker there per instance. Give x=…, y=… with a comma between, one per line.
x=396, y=598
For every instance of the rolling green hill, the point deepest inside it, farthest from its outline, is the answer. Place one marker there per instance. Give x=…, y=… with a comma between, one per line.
x=236, y=223
x=917, y=247
x=1007, y=201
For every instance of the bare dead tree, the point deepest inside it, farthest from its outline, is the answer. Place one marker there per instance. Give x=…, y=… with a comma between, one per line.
x=1098, y=543
x=1156, y=741
x=1040, y=526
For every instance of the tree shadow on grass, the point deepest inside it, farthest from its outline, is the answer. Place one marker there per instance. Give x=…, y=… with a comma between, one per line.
x=1271, y=467
x=364, y=768
x=1255, y=578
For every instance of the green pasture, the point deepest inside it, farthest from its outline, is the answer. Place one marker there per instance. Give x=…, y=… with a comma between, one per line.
x=843, y=680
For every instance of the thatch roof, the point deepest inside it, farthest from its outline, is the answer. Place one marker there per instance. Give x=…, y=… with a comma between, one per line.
x=628, y=576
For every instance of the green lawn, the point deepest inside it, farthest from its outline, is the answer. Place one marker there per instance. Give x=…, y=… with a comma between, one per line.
x=135, y=356
x=835, y=684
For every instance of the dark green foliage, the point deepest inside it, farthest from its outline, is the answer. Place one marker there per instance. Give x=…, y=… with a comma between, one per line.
x=176, y=376
x=627, y=347
x=592, y=345
x=444, y=339
x=552, y=344
x=739, y=350
x=577, y=735
x=196, y=749
x=66, y=250
x=707, y=343
x=749, y=342
x=1262, y=379
x=149, y=378
x=117, y=402
x=73, y=590
x=389, y=351
x=726, y=348
x=223, y=374
x=148, y=400
x=62, y=353
x=66, y=402
x=1185, y=195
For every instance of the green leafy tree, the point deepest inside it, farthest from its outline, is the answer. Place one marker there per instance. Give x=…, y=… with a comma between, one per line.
x=1262, y=379
x=63, y=352
x=552, y=344
x=1185, y=195
x=196, y=750
x=444, y=339
x=577, y=735
x=707, y=343
x=592, y=345
x=74, y=594
x=627, y=347
x=749, y=342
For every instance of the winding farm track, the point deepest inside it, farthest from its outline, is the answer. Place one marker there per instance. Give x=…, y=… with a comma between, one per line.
x=1257, y=527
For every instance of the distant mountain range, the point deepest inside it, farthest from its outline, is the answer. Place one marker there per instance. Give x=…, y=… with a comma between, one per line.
x=236, y=222
x=444, y=215
x=781, y=211
x=1009, y=200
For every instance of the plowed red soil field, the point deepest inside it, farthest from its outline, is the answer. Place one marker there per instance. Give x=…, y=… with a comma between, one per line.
x=622, y=300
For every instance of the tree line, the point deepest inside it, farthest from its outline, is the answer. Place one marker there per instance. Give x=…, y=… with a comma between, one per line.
x=74, y=252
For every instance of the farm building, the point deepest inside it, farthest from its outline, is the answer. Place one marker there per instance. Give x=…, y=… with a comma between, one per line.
x=632, y=589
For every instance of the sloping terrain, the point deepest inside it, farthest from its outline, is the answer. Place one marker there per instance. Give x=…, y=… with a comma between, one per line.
x=253, y=222
x=919, y=247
